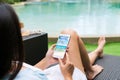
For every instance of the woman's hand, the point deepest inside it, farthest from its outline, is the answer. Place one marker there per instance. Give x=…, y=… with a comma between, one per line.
x=51, y=60
x=48, y=60
x=67, y=68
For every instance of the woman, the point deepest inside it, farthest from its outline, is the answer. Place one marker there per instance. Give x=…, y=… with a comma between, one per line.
x=76, y=62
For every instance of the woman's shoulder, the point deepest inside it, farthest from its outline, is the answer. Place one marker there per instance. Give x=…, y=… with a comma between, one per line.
x=29, y=73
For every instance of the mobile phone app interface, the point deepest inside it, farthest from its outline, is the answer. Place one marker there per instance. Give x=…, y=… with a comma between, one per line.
x=62, y=43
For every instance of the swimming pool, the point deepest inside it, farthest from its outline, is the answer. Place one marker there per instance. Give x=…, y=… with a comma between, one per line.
x=87, y=19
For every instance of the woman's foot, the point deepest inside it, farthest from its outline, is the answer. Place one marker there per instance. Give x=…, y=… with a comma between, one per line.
x=101, y=43
x=97, y=69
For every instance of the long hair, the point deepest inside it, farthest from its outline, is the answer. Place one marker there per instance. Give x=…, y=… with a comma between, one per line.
x=11, y=45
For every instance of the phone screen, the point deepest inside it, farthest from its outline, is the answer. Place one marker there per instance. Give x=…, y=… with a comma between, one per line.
x=61, y=46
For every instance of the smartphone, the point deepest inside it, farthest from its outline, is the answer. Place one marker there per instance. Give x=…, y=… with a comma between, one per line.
x=61, y=46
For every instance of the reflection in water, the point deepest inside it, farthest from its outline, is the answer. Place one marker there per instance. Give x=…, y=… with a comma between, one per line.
x=88, y=17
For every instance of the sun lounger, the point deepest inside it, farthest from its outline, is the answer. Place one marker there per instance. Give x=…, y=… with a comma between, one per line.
x=36, y=47
x=111, y=66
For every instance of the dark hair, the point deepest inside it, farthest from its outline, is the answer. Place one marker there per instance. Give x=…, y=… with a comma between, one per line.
x=11, y=45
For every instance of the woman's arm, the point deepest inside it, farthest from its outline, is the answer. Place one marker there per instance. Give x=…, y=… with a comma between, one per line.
x=48, y=60
x=43, y=64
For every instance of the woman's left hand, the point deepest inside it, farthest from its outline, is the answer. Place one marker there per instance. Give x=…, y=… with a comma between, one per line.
x=51, y=60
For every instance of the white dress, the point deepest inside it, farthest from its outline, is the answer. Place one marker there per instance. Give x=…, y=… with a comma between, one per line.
x=54, y=73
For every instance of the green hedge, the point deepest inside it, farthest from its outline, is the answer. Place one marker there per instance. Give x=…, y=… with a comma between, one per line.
x=11, y=1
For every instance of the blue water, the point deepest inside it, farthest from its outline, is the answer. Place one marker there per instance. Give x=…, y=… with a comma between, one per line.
x=86, y=19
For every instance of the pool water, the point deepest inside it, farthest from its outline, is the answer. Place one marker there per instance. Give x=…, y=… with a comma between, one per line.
x=86, y=19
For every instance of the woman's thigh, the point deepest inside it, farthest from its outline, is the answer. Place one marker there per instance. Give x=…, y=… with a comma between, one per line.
x=74, y=51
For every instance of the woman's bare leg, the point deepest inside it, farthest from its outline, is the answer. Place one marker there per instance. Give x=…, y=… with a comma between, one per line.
x=97, y=53
x=88, y=60
x=99, y=50
x=79, y=55
x=74, y=52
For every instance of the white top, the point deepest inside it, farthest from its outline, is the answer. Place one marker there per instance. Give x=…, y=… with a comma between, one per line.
x=52, y=73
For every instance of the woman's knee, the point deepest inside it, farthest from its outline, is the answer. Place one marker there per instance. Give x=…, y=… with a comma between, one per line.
x=70, y=32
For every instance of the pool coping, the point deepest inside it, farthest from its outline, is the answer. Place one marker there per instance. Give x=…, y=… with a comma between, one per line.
x=92, y=39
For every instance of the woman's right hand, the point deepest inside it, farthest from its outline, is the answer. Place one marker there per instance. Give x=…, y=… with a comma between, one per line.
x=67, y=68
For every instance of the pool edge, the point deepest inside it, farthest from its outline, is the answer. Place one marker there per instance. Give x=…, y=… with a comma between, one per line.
x=91, y=39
